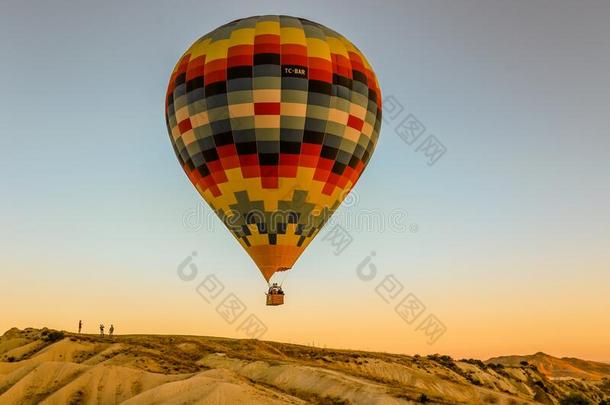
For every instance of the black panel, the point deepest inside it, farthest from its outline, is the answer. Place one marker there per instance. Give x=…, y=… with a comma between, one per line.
x=321, y=87
x=225, y=138
x=358, y=75
x=328, y=152
x=342, y=81
x=268, y=159
x=338, y=168
x=267, y=59
x=210, y=155
x=239, y=72
x=194, y=84
x=216, y=88
x=313, y=137
x=203, y=170
x=246, y=148
x=180, y=79
x=290, y=147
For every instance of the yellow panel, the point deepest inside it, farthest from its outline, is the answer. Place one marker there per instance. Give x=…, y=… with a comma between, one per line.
x=243, y=36
x=267, y=95
x=290, y=35
x=182, y=114
x=293, y=109
x=337, y=46
x=337, y=116
x=317, y=48
x=241, y=110
x=200, y=119
x=188, y=137
x=199, y=48
x=217, y=50
x=267, y=27
x=267, y=121
x=357, y=110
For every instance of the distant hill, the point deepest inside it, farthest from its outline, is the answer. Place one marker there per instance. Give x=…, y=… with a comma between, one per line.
x=554, y=367
x=54, y=367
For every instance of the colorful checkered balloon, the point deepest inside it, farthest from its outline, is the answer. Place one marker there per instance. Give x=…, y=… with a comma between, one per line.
x=273, y=119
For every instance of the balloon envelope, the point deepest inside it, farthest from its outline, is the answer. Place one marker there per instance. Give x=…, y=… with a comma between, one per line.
x=273, y=119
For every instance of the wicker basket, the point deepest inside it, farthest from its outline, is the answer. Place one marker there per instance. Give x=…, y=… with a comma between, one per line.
x=275, y=299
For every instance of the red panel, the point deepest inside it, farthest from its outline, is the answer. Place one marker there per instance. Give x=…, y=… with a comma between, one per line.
x=309, y=155
x=328, y=189
x=292, y=59
x=240, y=60
x=192, y=73
x=325, y=164
x=289, y=159
x=228, y=156
x=214, y=77
x=321, y=175
x=249, y=165
x=345, y=177
x=215, y=190
x=333, y=178
x=311, y=149
x=271, y=39
x=356, y=61
x=267, y=48
x=267, y=108
x=294, y=49
x=206, y=182
x=185, y=125
x=267, y=43
x=193, y=175
x=217, y=171
x=288, y=165
x=196, y=68
x=323, y=169
x=226, y=150
x=320, y=69
x=250, y=171
x=216, y=71
x=288, y=171
x=269, y=176
x=293, y=54
x=308, y=161
x=357, y=171
x=240, y=50
x=322, y=75
x=355, y=122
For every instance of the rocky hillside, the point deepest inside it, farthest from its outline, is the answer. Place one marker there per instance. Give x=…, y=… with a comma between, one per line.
x=554, y=367
x=52, y=367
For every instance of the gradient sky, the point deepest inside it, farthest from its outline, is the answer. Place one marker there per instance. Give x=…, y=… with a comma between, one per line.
x=512, y=246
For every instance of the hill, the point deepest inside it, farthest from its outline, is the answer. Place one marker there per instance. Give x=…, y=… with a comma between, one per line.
x=53, y=367
x=554, y=367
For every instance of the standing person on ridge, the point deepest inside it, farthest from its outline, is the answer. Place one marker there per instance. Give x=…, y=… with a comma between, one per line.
x=80, y=326
x=101, y=329
x=111, y=330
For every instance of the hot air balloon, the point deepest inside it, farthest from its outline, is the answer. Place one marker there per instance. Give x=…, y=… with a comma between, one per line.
x=273, y=119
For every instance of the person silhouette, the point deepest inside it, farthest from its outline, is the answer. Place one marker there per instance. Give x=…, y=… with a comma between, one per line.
x=101, y=329
x=111, y=330
x=80, y=326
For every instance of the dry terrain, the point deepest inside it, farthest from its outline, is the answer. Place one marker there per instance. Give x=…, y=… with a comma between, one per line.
x=53, y=367
x=554, y=367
